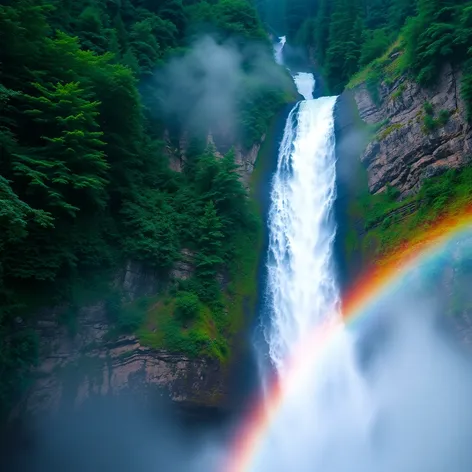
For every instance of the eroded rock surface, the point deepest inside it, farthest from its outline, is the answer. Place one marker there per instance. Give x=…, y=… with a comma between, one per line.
x=75, y=367
x=86, y=359
x=404, y=151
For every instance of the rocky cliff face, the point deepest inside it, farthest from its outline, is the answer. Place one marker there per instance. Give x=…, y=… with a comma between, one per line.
x=404, y=151
x=89, y=360
x=90, y=363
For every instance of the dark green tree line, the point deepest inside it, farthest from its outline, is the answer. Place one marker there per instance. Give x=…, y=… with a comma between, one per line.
x=347, y=35
x=84, y=175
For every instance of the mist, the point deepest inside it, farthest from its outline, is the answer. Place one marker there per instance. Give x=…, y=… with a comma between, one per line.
x=390, y=393
x=203, y=88
x=116, y=435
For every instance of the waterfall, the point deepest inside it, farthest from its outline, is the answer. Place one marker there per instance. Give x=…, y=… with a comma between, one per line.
x=302, y=293
x=302, y=288
x=301, y=282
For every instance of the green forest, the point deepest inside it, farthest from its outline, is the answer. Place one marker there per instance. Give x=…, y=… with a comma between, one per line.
x=85, y=182
x=350, y=36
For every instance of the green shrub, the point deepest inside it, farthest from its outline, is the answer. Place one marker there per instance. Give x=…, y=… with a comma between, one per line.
x=389, y=130
x=428, y=108
x=429, y=123
x=398, y=93
x=187, y=306
x=432, y=124
x=392, y=193
x=375, y=44
x=443, y=117
x=126, y=317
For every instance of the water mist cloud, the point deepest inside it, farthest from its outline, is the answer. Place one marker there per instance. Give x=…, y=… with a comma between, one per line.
x=116, y=435
x=421, y=390
x=204, y=87
x=404, y=407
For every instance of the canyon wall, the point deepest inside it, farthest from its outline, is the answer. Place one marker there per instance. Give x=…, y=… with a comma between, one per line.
x=404, y=150
x=89, y=359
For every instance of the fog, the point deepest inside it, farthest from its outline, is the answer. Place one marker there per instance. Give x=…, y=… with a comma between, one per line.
x=203, y=88
x=116, y=435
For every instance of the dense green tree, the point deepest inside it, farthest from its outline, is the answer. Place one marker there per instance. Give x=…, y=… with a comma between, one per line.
x=347, y=35
x=85, y=181
x=70, y=165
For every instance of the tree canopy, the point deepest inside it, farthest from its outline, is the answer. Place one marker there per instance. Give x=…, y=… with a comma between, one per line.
x=85, y=181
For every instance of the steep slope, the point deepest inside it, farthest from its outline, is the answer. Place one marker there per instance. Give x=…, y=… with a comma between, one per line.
x=406, y=149
x=105, y=212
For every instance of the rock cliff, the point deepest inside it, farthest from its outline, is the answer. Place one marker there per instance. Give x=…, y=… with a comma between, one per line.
x=89, y=359
x=245, y=158
x=91, y=362
x=405, y=150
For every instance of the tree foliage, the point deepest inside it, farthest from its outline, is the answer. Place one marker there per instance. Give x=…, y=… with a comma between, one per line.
x=84, y=177
x=348, y=35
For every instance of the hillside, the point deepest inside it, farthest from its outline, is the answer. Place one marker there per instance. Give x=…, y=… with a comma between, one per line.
x=124, y=179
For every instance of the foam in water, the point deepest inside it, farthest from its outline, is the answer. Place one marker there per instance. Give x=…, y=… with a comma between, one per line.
x=302, y=288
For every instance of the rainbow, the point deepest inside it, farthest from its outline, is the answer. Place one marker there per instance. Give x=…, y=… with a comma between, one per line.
x=377, y=282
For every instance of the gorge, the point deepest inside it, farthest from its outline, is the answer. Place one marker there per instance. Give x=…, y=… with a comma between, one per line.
x=249, y=264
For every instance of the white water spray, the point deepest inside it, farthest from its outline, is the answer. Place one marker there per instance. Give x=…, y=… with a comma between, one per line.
x=305, y=83
x=278, y=50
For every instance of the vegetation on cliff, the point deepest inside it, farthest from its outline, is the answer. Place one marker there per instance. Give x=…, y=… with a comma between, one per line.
x=384, y=223
x=85, y=181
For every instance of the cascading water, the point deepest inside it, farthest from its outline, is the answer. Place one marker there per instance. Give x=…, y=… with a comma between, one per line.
x=278, y=50
x=302, y=291
x=301, y=280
